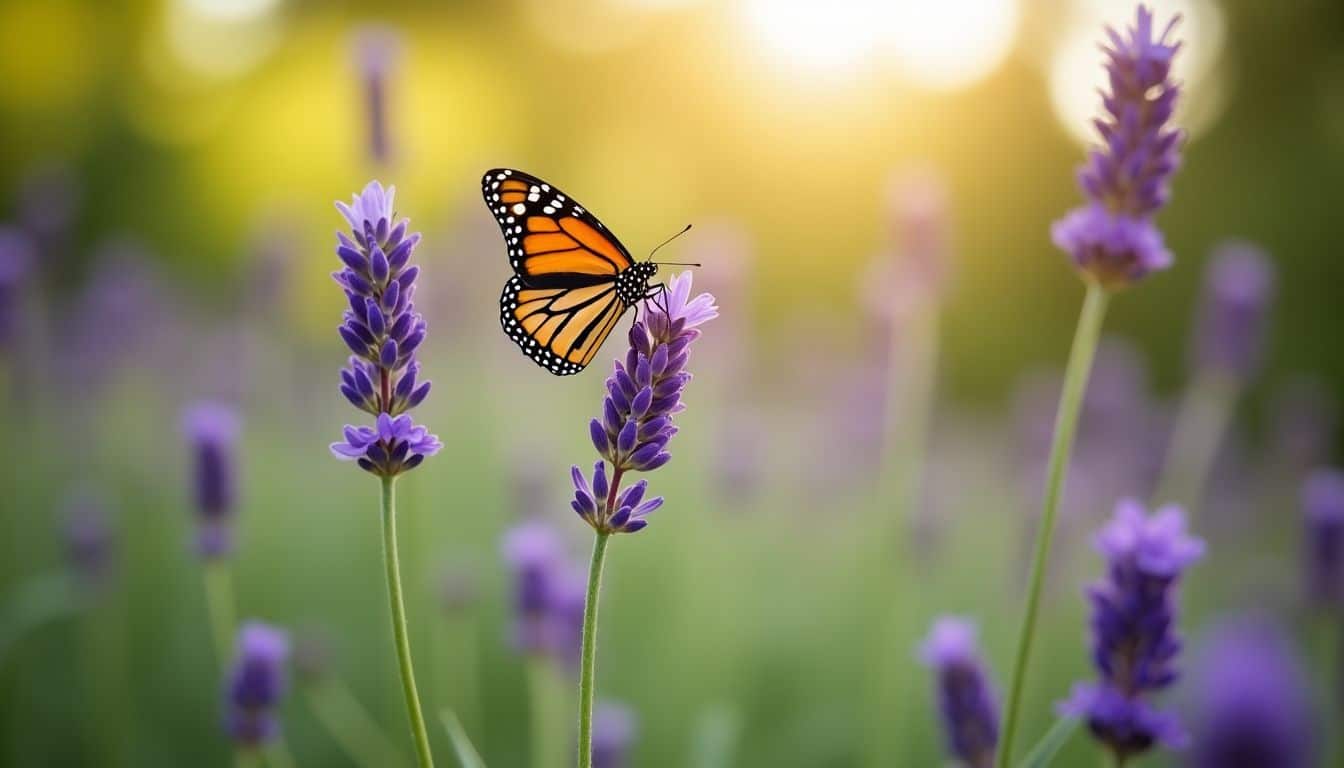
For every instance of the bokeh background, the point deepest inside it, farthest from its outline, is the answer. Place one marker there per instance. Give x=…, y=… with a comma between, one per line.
x=871, y=186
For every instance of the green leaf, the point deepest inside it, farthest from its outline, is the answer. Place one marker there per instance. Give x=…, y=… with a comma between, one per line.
x=1054, y=740
x=467, y=756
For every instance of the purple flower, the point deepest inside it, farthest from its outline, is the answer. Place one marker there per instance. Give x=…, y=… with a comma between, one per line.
x=383, y=330
x=535, y=555
x=914, y=273
x=16, y=258
x=614, y=731
x=1112, y=238
x=256, y=684
x=1323, y=503
x=1305, y=417
x=966, y=699
x=1252, y=703
x=90, y=542
x=212, y=432
x=376, y=50
x=643, y=396
x=1134, y=644
x=1238, y=287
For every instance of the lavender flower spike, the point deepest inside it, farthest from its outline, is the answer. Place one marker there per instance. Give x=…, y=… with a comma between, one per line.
x=643, y=396
x=1134, y=641
x=16, y=258
x=614, y=731
x=1231, y=327
x=1112, y=239
x=535, y=555
x=966, y=699
x=212, y=431
x=1323, y=502
x=376, y=50
x=383, y=330
x=256, y=685
x=1253, y=704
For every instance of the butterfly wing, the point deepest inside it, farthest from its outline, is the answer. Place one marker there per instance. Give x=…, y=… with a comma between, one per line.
x=553, y=241
x=561, y=329
x=561, y=303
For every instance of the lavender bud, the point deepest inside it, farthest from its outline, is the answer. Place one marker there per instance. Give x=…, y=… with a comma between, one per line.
x=212, y=432
x=1231, y=326
x=966, y=700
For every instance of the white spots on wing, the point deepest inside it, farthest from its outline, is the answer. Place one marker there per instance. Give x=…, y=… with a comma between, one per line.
x=548, y=210
x=519, y=209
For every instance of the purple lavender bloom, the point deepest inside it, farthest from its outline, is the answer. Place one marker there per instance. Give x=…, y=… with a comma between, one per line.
x=376, y=50
x=643, y=395
x=1305, y=417
x=1238, y=288
x=1323, y=503
x=1134, y=641
x=614, y=731
x=966, y=699
x=1112, y=238
x=1252, y=702
x=256, y=684
x=212, y=433
x=16, y=258
x=535, y=555
x=90, y=543
x=383, y=330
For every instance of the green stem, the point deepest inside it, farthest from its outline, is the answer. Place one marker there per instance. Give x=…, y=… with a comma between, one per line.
x=589, y=658
x=418, y=731
x=547, y=725
x=351, y=725
x=1066, y=424
x=1206, y=409
x=219, y=603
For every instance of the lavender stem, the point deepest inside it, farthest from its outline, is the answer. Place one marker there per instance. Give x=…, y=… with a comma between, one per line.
x=219, y=604
x=1201, y=423
x=589, y=657
x=393, y=566
x=1066, y=423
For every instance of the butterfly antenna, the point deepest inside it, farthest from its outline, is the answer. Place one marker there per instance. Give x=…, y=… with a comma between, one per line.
x=686, y=229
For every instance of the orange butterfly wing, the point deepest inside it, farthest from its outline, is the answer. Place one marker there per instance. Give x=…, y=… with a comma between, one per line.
x=562, y=302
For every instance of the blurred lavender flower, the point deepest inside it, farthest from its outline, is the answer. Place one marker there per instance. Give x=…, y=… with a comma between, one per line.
x=614, y=731
x=48, y=201
x=1134, y=640
x=1238, y=288
x=90, y=542
x=1323, y=503
x=536, y=556
x=376, y=50
x=212, y=432
x=16, y=259
x=256, y=685
x=1252, y=703
x=1305, y=418
x=966, y=698
x=383, y=330
x=914, y=273
x=643, y=395
x=1112, y=239
x=312, y=656
x=457, y=588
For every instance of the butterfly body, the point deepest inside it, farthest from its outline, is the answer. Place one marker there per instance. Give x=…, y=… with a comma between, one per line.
x=573, y=280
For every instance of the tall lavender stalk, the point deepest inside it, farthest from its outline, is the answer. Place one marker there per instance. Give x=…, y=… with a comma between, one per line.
x=966, y=699
x=383, y=331
x=1227, y=347
x=643, y=395
x=1113, y=243
x=1134, y=640
x=212, y=434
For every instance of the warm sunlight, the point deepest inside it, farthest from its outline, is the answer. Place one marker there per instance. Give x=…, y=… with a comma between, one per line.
x=952, y=43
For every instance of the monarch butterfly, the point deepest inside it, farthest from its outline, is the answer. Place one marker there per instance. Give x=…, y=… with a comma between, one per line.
x=572, y=279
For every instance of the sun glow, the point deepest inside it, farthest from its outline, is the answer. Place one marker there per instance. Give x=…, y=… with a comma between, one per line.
x=948, y=44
